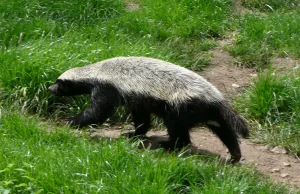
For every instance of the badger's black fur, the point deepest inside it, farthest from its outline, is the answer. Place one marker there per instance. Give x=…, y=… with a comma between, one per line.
x=179, y=96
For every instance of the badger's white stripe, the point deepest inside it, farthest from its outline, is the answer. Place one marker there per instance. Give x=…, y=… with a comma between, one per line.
x=150, y=77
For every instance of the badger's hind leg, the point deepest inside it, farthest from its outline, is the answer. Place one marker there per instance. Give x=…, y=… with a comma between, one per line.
x=228, y=137
x=103, y=103
x=178, y=130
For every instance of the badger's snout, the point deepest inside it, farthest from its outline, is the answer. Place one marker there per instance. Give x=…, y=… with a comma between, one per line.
x=53, y=89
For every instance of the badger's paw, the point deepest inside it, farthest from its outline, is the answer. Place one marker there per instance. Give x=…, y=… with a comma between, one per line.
x=235, y=157
x=73, y=121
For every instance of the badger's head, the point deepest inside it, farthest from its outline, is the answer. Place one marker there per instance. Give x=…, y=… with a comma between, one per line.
x=70, y=88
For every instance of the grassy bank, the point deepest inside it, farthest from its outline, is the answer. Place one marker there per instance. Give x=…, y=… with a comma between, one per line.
x=262, y=36
x=273, y=102
x=39, y=158
x=41, y=40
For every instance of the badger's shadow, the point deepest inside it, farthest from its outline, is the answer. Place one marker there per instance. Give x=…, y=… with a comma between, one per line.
x=154, y=142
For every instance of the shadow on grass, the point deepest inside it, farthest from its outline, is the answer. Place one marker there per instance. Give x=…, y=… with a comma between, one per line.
x=154, y=142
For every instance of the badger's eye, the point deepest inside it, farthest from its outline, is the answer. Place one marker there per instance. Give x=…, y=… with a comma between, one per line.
x=60, y=85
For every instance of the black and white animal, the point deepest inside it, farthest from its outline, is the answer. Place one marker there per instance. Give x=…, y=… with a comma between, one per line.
x=179, y=96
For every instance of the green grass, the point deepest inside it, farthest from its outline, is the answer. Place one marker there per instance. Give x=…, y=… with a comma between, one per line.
x=39, y=158
x=273, y=100
x=190, y=19
x=23, y=20
x=41, y=39
x=263, y=36
x=271, y=5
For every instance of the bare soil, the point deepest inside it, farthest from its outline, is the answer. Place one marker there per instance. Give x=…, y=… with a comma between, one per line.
x=272, y=162
x=228, y=78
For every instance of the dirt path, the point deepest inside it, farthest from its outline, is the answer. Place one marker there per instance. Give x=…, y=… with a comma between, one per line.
x=276, y=164
x=273, y=162
x=225, y=76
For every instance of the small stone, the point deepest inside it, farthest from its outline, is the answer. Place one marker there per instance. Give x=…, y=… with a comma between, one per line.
x=279, y=150
x=295, y=68
x=235, y=85
x=284, y=175
x=91, y=130
x=264, y=148
x=297, y=180
x=274, y=170
x=253, y=74
x=94, y=136
x=128, y=127
x=286, y=164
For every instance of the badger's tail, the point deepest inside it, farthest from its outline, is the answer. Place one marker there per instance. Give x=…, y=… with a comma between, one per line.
x=232, y=120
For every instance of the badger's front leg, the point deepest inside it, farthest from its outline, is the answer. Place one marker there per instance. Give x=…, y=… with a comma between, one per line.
x=87, y=117
x=103, y=103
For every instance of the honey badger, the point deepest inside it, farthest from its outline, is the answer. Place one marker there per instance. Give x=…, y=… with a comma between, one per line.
x=179, y=96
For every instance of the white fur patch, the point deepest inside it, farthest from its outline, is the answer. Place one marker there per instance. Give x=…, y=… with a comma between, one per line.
x=150, y=77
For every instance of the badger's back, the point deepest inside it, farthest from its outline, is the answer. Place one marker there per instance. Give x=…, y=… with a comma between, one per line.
x=148, y=77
